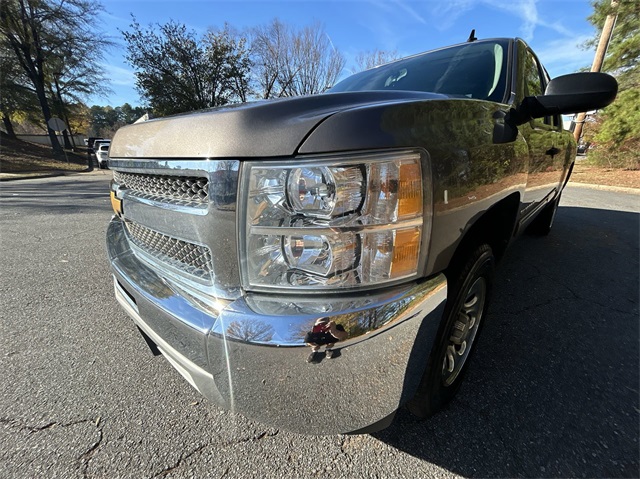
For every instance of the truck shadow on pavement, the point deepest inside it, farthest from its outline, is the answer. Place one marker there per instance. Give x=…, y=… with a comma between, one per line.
x=553, y=388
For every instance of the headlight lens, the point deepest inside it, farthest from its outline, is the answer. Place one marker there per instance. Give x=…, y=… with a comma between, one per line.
x=343, y=222
x=324, y=192
x=320, y=254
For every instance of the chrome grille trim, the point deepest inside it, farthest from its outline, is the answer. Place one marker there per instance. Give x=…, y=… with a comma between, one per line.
x=180, y=190
x=211, y=224
x=189, y=258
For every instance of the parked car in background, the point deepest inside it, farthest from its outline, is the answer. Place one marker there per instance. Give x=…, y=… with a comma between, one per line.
x=90, y=142
x=96, y=148
x=102, y=154
x=101, y=141
x=315, y=263
x=583, y=147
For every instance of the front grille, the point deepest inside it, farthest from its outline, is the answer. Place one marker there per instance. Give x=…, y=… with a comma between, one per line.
x=187, y=257
x=184, y=190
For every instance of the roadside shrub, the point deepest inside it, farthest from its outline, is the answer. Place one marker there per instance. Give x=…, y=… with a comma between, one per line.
x=627, y=156
x=616, y=134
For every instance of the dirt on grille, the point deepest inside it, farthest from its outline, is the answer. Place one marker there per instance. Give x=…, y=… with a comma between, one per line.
x=23, y=158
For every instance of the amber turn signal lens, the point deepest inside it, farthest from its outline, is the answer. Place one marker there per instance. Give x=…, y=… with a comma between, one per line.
x=116, y=204
x=410, y=190
x=406, y=252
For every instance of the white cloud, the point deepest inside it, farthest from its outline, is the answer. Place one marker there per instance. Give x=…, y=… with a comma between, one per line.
x=119, y=76
x=525, y=10
x=381, y=22
x=448, y=12
x=565, y=55
x=407, y=8
x=562, y=55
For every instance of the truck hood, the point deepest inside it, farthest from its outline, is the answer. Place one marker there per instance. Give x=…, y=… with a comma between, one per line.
x=265, y=128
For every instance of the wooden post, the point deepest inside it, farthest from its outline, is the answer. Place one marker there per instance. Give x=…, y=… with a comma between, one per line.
x=601, y=51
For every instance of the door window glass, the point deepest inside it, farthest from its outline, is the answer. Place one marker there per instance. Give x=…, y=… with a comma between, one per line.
x=534, y=83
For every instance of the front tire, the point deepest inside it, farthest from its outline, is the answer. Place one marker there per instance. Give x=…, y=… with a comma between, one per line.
x=462, y=322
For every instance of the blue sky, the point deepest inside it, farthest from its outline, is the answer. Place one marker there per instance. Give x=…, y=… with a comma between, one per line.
x=555, y=29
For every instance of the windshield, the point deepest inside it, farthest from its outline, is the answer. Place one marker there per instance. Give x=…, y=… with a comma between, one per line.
x=473, y=70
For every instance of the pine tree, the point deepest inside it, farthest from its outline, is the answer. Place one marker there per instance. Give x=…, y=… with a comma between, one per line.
x=617, y=131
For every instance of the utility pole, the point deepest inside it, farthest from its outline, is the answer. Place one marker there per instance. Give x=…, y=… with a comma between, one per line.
x=603, y=44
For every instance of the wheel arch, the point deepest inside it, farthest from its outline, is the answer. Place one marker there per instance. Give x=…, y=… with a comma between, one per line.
x=494, y=227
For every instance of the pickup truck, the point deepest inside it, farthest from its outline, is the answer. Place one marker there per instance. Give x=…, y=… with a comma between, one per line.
x=316, y=263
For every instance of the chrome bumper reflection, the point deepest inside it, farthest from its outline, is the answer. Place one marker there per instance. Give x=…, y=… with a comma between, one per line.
x=249, y=355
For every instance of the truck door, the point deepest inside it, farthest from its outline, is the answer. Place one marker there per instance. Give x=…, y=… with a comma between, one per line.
x=546, y=152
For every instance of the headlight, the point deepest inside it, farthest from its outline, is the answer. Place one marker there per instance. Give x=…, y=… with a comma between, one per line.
x=333, y=223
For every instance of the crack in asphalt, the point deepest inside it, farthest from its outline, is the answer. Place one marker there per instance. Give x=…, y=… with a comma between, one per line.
x=181, y=459
x=254, y=438
x=343, y=442
x=262, y=435
x=185, y=456
x=18, y=424
x=342, y=453
x=87, y=456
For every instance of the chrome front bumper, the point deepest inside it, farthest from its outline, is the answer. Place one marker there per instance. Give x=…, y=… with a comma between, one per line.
x=249, y=355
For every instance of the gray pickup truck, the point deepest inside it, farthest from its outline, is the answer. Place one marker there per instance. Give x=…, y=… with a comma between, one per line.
x=316, y=263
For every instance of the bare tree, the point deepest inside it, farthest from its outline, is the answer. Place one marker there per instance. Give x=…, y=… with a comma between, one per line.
x=17, y=98
x=37, y=30
x=228, y=55
x=370, y=59
x=250, y=330
x=75, y=72
x=291, y=62
x=270, y=54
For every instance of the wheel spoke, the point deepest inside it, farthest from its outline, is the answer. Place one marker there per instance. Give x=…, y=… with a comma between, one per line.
x=449, y=360
x=471, y=301
x=472, y=321
x=463, y=331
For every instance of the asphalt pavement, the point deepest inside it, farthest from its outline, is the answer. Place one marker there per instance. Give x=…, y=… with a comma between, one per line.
x=552, y=392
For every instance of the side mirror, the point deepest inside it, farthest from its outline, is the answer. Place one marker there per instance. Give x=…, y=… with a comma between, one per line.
x=574, y=93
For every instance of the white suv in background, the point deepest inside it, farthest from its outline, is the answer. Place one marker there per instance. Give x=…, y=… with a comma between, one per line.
x=102, y=152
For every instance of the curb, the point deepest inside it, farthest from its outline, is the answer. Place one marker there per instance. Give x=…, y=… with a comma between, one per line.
x=17, y=176
x=617, y=189
x=44, y=174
